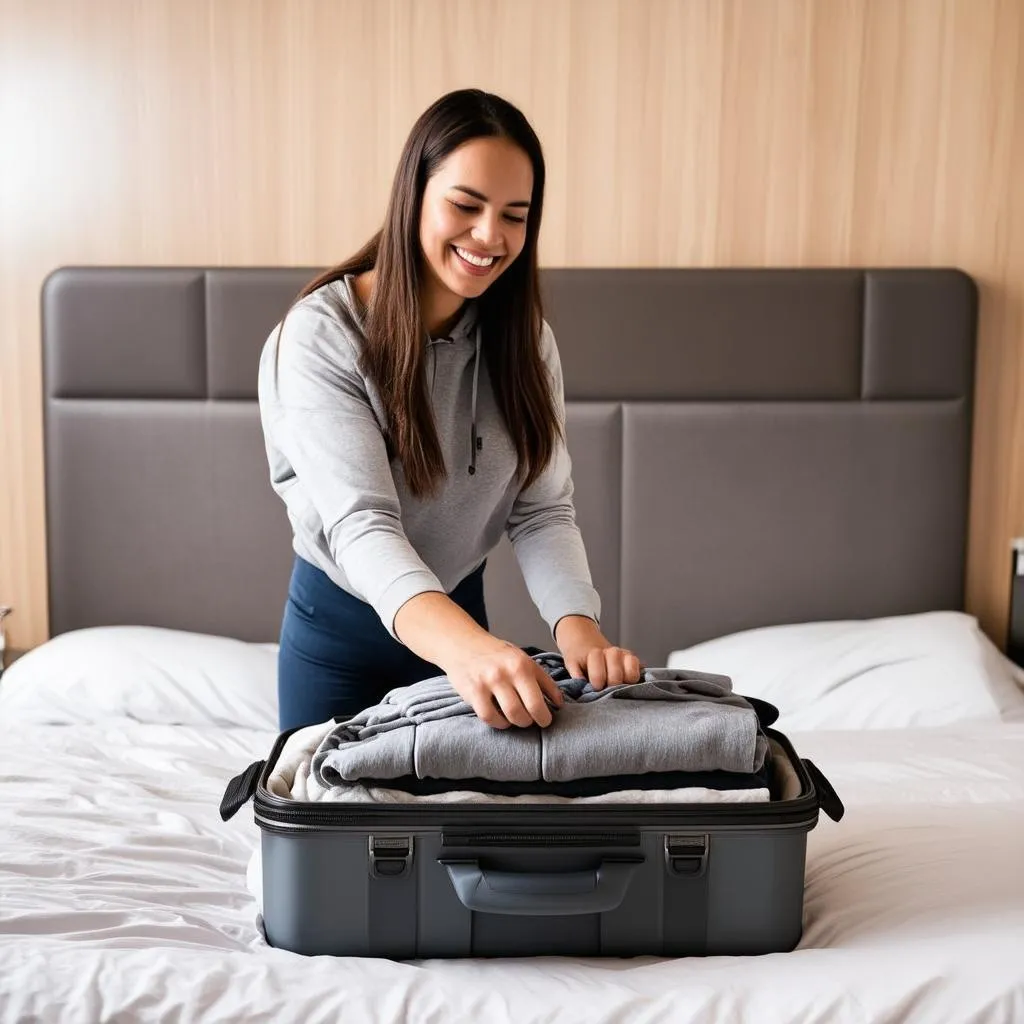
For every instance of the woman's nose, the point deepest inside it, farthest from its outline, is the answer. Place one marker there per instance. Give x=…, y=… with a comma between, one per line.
x=487, y=231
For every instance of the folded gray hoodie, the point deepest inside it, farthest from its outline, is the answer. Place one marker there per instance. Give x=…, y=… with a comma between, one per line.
x=672, y=720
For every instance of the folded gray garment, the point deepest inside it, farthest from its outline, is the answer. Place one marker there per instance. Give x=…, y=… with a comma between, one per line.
x=626, y=737
x=380, y=755
x=466, y=747
x=672, y=720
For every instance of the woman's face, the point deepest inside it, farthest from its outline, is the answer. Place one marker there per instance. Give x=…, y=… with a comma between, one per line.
x=473, y=221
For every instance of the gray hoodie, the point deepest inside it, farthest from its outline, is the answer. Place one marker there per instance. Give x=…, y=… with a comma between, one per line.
x=350, y=509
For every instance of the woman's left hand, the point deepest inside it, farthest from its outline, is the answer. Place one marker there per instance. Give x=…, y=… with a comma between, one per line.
x=589, y=654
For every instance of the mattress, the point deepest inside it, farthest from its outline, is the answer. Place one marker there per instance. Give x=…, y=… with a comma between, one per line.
x=123, y=896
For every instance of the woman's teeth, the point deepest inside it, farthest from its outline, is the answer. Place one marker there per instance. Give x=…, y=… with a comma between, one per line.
x=477, y=261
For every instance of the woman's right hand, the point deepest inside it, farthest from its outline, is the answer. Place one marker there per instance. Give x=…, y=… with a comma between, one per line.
x=504, y=685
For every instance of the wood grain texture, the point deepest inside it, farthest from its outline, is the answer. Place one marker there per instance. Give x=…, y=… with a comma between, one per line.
x=677, y=132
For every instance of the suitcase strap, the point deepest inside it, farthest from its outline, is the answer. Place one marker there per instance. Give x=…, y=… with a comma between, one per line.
x=240, y=790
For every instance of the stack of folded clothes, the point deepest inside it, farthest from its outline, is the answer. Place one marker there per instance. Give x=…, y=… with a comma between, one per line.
x=673, y=729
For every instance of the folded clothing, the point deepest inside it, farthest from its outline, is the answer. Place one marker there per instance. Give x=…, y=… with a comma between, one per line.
x=291, y=778
x=672, y=720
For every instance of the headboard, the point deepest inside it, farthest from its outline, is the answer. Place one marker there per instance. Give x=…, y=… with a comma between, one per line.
x=750, y=447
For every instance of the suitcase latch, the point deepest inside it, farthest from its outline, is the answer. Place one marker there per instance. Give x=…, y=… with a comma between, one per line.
x=687, y=855
x=390, y=856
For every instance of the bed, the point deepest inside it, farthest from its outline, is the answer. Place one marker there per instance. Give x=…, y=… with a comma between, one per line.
x=771, y=470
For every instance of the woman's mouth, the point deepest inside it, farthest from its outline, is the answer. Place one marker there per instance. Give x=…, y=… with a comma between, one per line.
x=473, y=263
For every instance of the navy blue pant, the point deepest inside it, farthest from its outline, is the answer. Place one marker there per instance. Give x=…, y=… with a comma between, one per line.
x=336, y=656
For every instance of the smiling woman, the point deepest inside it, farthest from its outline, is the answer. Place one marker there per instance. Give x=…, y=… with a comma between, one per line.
x=413, y=411
x=484, y=232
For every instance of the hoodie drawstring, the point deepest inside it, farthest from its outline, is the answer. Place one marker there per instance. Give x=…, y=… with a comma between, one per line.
x=475, y=443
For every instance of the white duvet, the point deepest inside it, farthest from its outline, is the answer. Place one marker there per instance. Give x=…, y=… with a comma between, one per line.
x=123, y=898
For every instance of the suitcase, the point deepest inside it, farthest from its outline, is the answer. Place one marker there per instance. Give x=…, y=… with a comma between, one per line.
x=418, y=881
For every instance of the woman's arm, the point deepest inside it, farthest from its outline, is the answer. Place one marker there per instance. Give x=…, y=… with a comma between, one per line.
x=316, y=412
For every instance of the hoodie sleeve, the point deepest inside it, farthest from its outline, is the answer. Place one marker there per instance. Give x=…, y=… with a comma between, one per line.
x=320, y=418
x=542, y=526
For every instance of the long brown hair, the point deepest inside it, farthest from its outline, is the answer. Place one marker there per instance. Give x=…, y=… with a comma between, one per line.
x=509, y=311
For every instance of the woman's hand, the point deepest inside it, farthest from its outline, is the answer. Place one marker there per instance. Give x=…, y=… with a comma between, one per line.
x=504, y=685
x=589, y=654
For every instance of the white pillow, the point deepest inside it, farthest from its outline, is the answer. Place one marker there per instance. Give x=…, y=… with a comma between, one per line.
x=931, y=669
x=161, y=676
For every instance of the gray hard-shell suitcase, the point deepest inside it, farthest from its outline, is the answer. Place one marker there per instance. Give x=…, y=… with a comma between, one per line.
x=417, y=881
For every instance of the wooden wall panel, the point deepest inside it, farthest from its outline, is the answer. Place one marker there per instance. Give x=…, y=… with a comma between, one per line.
x=677, y=132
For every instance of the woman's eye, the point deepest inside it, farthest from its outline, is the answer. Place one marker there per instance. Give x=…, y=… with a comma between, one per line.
x=465, y=208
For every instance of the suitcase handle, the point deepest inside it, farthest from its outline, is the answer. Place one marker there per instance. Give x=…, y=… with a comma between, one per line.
x=828, y=798
x=240, y=790
x=542, y=893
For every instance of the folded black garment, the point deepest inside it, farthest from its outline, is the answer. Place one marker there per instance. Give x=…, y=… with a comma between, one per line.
x=597, y=786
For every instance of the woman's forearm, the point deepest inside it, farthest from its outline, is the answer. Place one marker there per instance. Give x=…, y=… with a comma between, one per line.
x=433, y=626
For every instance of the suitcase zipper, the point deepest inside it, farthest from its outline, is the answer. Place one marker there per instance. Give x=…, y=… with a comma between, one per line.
x=650, y=823
x=300, y=818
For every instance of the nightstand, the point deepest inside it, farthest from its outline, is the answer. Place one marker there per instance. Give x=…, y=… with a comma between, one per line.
x=1015, y=633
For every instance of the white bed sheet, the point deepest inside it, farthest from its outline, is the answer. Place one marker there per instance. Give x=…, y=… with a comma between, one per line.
x=123, y=897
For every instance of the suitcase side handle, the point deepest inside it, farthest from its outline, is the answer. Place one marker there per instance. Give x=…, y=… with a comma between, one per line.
x=828, y=798
x=240, y=790
x=542, y=893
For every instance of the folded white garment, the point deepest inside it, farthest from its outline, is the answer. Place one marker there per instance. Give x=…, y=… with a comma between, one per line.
x=688, y=795
x=291, y=778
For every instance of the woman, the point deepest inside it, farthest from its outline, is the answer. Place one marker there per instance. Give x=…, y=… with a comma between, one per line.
x=413, y=410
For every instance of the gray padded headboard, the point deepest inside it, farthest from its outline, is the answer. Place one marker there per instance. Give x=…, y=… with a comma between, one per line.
x=750, y=447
